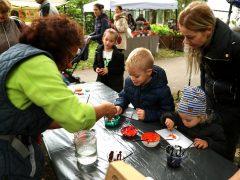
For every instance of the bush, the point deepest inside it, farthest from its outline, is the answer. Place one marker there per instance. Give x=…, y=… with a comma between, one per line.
x=162, y=30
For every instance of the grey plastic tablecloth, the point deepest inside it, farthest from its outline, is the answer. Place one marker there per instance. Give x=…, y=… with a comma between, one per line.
x=151, y=162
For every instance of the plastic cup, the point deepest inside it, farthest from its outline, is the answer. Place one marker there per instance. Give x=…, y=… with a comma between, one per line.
x=86, y=147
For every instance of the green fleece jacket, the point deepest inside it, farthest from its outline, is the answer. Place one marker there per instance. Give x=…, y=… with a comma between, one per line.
x=38, y=80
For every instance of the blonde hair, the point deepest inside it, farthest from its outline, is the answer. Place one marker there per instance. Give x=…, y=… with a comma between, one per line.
x=203, y=118
x=140, y=58
x=111, y=31
x=205, y=19
x=5, y=6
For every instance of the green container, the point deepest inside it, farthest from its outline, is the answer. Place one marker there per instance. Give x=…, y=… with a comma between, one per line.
x=113, y=122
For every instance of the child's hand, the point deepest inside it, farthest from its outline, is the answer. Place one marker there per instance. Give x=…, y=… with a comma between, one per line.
x=88, y=40
x=99, y=71
x=169, y=123
x=119, y=110
x=104, y=71
x=140, y=114
x=199, y=143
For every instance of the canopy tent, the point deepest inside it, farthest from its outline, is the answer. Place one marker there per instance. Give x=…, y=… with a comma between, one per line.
x=133, y=4
x=32, y=3
x=143, y=4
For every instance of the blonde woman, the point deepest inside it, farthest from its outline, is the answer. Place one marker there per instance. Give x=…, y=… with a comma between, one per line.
x=191, y=119
x=214, y=49
x=9, y=32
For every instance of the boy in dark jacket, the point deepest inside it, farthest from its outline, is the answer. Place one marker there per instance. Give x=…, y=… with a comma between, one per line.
x=109, y=62
x=146, y=87
x=191, y=120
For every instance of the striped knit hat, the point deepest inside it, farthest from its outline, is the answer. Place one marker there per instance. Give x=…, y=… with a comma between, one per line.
x=193, y=101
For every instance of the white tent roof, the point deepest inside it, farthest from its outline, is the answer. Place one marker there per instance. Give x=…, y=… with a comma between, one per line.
x=133, y=4
x=146, y=4
x=32, y=3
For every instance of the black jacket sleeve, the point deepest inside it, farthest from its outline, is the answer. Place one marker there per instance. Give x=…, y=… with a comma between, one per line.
x=217, y=140
x=171, y=115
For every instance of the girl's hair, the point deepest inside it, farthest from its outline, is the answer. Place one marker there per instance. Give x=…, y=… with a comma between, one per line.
x=5, y=6
x=119, y=7
x=140, y=58
x=55, y=34
x=203, y=118
x=111, y=31
x=99, y=6
x=205, y=19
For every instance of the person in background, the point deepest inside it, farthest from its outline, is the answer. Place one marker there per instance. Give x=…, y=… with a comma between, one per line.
x=121, y=26
x=191, y=120
x=214, y=48
x=9, y=32
x=35, y=98
x=140, y=18
x=109, y=62
x=146, y=87
x=15, y=16
x=131, y=22
x=46, y=8
x=101, y=24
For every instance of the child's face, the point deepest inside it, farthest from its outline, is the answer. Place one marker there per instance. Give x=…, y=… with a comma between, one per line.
x=138, y=76
x=189, y=120
x=108, y=41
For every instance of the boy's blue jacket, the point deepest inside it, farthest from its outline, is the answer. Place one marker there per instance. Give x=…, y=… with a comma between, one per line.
x=154, y=98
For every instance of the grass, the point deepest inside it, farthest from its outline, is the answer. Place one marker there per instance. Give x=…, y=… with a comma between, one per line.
x=168, y=53
x=162, y=54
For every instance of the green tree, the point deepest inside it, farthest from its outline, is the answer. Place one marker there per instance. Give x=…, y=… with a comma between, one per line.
x=74, y=9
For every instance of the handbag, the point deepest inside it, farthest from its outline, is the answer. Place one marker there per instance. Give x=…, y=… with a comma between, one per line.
x=119, y=38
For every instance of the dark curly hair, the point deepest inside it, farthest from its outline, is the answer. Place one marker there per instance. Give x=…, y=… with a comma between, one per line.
x=56, y=35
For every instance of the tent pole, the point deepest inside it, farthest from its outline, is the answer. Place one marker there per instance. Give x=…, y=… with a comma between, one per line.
x=110, y=14
x=84, y=22
x=64, y=8
x=175, y=34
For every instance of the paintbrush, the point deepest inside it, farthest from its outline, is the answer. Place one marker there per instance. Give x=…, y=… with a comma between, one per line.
x=186, y=148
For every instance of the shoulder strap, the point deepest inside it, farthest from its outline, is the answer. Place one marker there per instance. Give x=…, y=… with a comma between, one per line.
x=17, y=23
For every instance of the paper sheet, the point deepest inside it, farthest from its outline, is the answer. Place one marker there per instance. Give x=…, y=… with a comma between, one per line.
x=181, y=141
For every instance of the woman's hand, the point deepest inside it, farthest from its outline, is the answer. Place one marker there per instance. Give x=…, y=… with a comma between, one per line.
x=169, y=123
x=105, y=109
x=199, y=143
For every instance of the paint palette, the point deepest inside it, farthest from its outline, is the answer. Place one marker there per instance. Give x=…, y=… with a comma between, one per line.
x=129, y=131
x=113, y=122
x=150, y=139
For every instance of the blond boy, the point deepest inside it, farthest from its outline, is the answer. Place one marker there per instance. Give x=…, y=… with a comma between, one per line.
x=146, y=87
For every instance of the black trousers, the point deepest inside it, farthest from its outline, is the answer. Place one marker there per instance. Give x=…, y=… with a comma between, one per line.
x=229, y=117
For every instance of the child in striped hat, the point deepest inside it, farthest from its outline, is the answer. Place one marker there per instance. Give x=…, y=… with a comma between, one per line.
x=191, y=120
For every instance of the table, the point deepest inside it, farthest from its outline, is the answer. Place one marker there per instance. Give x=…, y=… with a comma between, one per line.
x=199, y=164
x=149, y=42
